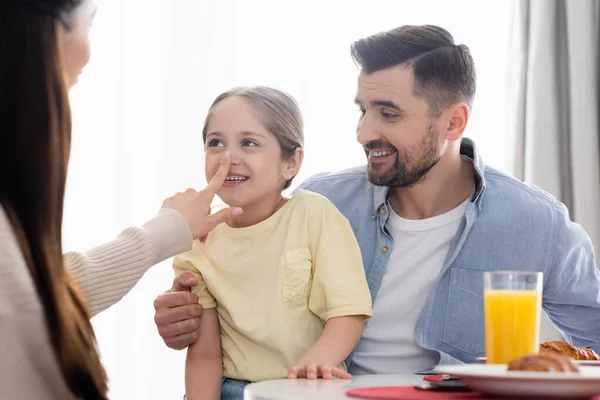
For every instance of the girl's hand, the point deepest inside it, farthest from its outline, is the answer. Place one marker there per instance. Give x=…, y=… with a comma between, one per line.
x=315, y=371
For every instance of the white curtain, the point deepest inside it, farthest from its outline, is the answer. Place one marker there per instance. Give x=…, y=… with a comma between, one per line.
x=139, y=107
x=554, y=105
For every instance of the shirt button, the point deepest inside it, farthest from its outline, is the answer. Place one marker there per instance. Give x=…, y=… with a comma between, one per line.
x=384, y=249
x=382, y=210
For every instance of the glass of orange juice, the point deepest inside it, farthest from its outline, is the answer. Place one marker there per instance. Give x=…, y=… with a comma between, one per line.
x=512, y=303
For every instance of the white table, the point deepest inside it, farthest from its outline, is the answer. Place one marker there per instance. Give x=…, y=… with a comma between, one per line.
x=302, y=389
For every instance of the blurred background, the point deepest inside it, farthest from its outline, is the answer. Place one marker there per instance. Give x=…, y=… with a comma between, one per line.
x=157, y=65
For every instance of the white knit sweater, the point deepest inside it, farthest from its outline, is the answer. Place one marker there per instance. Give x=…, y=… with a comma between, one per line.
x=28, y=368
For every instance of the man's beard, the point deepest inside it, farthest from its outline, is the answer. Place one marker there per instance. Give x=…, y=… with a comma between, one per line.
x=402, y=174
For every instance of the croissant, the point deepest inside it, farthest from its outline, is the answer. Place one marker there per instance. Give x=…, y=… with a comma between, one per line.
x=567, y=349
x=546, y=362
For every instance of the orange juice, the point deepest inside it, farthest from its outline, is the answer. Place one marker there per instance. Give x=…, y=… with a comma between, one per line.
x=512, y=324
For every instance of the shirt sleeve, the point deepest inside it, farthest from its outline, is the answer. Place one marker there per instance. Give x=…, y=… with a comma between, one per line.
x=339, y=286
x=571, y=296
x=108, y=272
x=192, y=261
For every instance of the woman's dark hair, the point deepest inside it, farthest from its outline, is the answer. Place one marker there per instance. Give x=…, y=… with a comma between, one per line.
x=36, y=139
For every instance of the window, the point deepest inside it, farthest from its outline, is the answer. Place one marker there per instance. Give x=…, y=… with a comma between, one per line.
x=156, y=67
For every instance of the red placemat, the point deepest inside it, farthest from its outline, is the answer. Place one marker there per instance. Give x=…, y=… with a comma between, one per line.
x=412, y=393
x=409, y=393
x=434, y=378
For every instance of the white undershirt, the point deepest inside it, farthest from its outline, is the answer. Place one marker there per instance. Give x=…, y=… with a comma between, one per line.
x=388, y=345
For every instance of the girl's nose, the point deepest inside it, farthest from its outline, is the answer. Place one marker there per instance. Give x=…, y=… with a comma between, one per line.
x=235, y=160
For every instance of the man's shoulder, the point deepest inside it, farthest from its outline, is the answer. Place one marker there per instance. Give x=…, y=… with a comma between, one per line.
x=331, y=184
x=354, y=174
x=524, y=205
x=342, y=188
x=515, y=194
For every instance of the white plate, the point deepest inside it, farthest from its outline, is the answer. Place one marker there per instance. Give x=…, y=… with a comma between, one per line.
x=588, y=363
x=495, y=379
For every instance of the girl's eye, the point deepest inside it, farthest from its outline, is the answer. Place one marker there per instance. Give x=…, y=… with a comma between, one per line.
x=215, y=143
x=249, y=143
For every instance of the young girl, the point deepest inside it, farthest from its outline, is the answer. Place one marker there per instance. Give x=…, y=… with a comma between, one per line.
x=282, y=285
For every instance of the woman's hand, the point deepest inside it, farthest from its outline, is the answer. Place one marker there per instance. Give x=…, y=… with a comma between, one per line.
x=195, y=205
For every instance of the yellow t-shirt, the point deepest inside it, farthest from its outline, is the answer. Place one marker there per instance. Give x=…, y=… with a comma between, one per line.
x=276, y=283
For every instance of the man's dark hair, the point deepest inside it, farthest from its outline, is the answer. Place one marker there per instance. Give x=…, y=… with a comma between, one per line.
x=444, y=73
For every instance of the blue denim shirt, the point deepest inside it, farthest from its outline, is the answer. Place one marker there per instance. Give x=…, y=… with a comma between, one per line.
x=508, y=225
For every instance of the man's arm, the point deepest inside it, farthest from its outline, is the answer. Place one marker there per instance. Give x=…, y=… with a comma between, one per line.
x=177, y=313
x=571, y=296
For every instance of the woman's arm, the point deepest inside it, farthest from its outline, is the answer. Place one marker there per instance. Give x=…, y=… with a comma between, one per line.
x=204, y=362
x=108, y=272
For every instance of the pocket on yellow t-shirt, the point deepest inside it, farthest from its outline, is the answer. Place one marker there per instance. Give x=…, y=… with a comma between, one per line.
x=297, y=268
